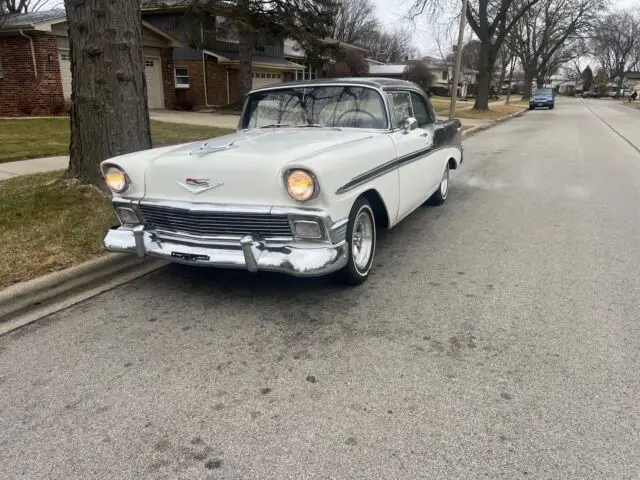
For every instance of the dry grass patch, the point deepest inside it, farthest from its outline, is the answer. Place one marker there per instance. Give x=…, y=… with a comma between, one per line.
x=48, y=137
x=495, y=112
x=47, y=225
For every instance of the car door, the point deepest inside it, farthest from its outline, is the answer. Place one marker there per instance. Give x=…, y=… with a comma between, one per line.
x=413, y=147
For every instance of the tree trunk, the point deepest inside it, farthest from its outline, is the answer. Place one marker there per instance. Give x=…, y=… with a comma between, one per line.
x=245, y=51
x=540, y=80
x=486, y=62
x=528, y=80
x=511, y=67
x=109, y=114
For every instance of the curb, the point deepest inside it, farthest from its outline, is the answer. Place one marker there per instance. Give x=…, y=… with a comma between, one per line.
x=480, y=128
x=28, y=301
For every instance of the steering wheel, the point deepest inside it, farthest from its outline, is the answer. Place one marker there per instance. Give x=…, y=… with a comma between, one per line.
x=356, y=110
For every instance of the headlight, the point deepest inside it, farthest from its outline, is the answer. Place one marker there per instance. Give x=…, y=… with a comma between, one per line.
x=116, y=179
x=301, y=185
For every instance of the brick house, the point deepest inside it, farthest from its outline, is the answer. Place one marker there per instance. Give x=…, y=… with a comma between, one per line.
x=205, y=66
x=35, y=78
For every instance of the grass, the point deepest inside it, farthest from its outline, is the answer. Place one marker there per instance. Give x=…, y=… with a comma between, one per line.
x=496, y=110
x=47, y=224
x=33, y=138
x=635, y=105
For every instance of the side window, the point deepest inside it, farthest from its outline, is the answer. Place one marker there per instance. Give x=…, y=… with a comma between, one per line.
x=401, y=107
x=420, y=110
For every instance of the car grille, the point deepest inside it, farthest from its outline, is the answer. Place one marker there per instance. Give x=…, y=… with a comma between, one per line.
x=209, y=224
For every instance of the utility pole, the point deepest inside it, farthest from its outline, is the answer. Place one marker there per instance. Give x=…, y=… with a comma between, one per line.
x=456, y=71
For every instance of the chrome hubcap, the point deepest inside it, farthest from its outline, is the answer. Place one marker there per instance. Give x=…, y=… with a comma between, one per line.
x=362, y=240
x=444, y=184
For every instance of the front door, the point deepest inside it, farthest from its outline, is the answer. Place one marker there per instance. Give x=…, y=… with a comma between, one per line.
x=413, y=148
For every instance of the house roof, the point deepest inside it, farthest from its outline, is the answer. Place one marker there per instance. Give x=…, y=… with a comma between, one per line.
x=42, y=21
x=34, y=18
x=232, y=58
x=383, y=70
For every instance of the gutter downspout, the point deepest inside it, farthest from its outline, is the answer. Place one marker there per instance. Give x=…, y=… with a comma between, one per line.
x=204, y=67
x=228, y=98
x=33, y=52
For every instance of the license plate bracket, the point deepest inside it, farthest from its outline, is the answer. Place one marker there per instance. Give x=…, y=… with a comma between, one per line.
x=190, y=257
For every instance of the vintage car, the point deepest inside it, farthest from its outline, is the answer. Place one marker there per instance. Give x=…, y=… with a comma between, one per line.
x=313, y=169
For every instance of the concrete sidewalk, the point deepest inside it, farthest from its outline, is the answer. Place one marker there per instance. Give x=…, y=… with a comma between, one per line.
x=34, y=165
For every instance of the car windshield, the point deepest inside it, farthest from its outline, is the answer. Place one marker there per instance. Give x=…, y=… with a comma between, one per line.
x=318, y=106
x=543, y=93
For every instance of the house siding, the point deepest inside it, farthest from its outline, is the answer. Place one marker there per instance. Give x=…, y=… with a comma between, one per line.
x=21, y=93
x=216, y=84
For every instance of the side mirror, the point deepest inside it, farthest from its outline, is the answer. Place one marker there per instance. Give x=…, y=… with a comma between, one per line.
x=410, y=124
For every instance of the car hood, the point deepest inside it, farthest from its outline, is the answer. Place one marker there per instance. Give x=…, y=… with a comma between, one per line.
x=542, y=97
x=245, y=167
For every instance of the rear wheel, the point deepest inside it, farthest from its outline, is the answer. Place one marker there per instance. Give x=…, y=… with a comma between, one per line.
x=440, y=195
x=361, y=236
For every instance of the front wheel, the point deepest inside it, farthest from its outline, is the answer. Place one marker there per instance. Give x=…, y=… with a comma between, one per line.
x=440, y=195
x=361, y=236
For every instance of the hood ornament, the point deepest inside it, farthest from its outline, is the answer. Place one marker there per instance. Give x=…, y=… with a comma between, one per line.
x=198, y=185
x=206, y=148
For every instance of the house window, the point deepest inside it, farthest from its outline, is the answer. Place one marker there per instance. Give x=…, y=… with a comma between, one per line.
x=258, y=45
x=148, y=63
x=65, y=57
x=182, y=77
x=445, y=75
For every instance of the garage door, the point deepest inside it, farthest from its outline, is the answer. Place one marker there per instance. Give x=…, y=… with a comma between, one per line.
x=151, y=70
x=154, y=82
x=262, y=78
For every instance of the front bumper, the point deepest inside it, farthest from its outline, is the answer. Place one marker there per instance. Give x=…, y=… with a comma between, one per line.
x=298, y=259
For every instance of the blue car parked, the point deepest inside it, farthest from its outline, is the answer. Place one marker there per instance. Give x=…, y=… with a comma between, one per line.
x=544, y=97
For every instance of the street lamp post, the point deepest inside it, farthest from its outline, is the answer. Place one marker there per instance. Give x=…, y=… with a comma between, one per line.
x=456, y=71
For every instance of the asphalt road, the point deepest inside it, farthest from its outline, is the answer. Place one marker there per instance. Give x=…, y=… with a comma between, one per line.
x=498, y=338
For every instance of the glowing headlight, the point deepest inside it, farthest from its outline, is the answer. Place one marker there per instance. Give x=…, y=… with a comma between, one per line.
x=300, y=185
x=116, y=179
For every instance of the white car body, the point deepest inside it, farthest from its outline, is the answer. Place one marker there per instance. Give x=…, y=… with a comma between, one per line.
x=180, y=193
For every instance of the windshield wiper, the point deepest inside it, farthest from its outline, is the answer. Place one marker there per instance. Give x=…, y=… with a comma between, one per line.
x=276, y=125
x=317, y=125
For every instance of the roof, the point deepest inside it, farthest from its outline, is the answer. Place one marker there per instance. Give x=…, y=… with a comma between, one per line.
x=373, y=82
x=43, y=20
x=397, y=69
x=33, y=18
x=232, y=58
x=153, y=4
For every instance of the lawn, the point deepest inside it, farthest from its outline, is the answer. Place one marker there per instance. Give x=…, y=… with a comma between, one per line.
x=635, y=105
x=32, y=138
x=47, y=225
x=496, y=110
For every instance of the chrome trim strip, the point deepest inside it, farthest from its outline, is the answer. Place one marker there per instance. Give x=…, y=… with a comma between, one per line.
x=388, y=167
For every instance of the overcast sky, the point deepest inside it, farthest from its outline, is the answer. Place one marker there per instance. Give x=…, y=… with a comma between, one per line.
x=391, y=13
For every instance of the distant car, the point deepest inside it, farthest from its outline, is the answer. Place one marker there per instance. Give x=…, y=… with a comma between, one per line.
x=591, y=94
x=542, y=98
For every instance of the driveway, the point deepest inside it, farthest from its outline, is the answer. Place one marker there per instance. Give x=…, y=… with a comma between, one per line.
x=497, y=338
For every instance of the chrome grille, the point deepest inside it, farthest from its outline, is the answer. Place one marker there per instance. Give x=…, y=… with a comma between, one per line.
x=209, y=224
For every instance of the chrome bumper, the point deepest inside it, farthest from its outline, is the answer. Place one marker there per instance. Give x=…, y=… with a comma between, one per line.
x=298, y=259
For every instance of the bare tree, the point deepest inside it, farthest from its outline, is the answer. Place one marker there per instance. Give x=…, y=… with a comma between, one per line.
x=389, y=46
x=354, y=21
x=491, y=21
x=109, y=116
x=418, y=73
x=550, y=34
x=11, y=7
x=616, y=44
